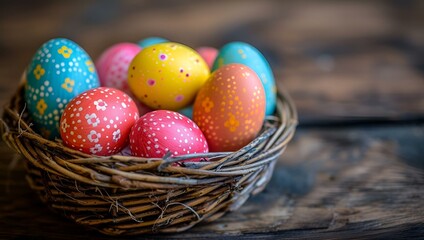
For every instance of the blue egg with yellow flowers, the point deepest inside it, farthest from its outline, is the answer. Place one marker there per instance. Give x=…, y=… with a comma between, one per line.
x=246, y=54
x=59, y=71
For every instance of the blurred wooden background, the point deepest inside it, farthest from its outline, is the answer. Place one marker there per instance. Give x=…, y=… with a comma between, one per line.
x=354, y=68
x=357, y=59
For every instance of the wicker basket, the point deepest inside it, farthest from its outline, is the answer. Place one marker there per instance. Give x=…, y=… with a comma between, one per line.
x=130, y=195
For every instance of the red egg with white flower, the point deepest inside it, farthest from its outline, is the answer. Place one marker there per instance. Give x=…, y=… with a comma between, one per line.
x=162, y=131
x=98, y=121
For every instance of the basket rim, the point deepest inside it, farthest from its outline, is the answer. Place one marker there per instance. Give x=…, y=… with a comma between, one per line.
x=270, y=142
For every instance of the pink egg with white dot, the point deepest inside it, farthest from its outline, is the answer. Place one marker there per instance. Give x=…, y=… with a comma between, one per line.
x=98, y=121
x=112, y=65
x=208, y=54
x=162, y=131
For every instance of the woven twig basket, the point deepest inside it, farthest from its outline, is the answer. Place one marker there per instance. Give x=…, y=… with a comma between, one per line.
x=131, y=195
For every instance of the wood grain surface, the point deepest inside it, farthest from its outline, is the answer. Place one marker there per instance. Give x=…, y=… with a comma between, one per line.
x=329, y=183
x=355, y=70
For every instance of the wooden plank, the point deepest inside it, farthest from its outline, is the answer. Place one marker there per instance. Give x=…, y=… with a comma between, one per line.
x=375, y=84
x=359, y=182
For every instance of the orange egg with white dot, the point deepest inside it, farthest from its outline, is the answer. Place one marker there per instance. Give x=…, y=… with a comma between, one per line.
x=167, y=75
x=230, y=107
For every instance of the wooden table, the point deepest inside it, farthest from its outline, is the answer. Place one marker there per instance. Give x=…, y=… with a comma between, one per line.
x=355, y=168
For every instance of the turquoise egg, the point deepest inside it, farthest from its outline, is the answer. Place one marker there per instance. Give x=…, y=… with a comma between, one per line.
x=244, y=53
x=59, y=71
x=151, y=41
x=187, y=111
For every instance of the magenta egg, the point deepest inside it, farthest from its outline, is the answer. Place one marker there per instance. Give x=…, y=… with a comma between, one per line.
x=162, y=131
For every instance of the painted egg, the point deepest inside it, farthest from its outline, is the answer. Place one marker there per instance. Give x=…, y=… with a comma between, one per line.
x=208, y=54
x=230, y=107
x=187, y=111
x=59, y=71
x=147, y=42
x=161, y=131
x=167, y=75
x=244, y=53
x=112, y=67
x=98, y=121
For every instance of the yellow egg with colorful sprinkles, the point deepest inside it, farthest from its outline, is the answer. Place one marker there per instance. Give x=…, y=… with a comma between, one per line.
x=167, y=75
